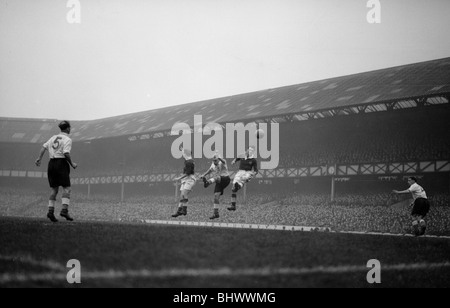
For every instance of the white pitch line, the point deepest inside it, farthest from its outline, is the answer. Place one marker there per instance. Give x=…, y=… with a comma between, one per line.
x=392, y=234
x=221, y=272
x=277, y=228
x=259, y=227
x=237, y=225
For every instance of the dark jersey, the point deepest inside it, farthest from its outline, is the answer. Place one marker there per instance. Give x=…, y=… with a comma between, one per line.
x=248, y=164
x=189, y=167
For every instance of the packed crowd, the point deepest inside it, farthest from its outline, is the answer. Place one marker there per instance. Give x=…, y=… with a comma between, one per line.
x=364, y=213
x=379, y=148
x=365, y=140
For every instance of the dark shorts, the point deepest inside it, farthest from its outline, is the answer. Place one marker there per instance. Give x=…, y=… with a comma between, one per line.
x=58, y=173
x=421, y=207
x=222, y=184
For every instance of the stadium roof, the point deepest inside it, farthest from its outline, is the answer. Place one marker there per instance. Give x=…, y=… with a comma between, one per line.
x=403, y=86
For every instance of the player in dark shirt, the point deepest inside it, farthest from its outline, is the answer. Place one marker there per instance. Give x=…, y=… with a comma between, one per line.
x=248, y=169
x=189, y=167
x=248, y=164
x=187, y=183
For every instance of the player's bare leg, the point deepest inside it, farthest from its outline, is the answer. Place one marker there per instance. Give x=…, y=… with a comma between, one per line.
x=422, y=225
x=211, y=181
x=236, y=188
x=416, y=226
x=65, y=204
x=51, y=205
x=216, y=206
x=186, y=202
x=206, y=182
x=182, y=205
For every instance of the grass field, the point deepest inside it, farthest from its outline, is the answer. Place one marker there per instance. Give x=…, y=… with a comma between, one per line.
x=34, y=253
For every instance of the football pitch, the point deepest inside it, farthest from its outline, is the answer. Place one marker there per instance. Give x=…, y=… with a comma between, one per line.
x=35, y=252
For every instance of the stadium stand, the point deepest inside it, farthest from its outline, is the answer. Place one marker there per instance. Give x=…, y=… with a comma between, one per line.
x=388, y=116
x=393, y=88
x=404, y=136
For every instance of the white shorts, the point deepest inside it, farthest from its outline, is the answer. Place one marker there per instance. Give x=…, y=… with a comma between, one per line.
x=242, y=177
x=188, y=183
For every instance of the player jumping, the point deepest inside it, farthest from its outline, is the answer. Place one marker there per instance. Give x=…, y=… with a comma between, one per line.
x=221, y=177
x=187, y=183
x=248, y=169
x=421, y=205
x=59, y=147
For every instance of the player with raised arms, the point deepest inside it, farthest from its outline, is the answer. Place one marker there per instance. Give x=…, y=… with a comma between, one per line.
x=188, y=181
x=421, y=206
x=59, y=147
x=248, y=169
x=221, y=177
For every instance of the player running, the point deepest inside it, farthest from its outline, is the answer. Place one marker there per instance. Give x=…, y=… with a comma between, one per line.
x=221, y=177
x=59, y=147
x=248, y=169
x=421, y=205
x=187, y=182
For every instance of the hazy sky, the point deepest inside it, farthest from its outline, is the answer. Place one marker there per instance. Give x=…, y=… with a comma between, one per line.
x=133, y=55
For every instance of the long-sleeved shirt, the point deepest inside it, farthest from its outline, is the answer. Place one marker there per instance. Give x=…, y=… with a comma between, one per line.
x=248, y=164
x=189, y=167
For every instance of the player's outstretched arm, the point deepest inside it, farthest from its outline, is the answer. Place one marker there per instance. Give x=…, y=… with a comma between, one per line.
x=235, y=160
x=180, y=177
x=69, y=160
x=255, y=167
x=41, y=154
x=223, y=161
x=401, y=192
x=206, y=173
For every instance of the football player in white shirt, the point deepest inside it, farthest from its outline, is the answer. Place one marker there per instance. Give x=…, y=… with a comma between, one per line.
x=59, y=147
x=221, y=177
x=421, y=205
